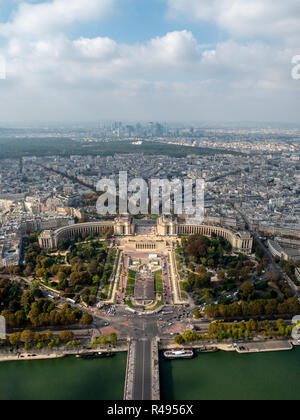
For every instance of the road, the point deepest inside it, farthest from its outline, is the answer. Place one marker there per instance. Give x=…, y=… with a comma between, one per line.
x=275, y=266
x=144, y=331
x=142, y=387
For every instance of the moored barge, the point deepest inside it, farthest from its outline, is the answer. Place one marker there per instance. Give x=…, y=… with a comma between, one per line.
x=96, y=355
x=179, y=354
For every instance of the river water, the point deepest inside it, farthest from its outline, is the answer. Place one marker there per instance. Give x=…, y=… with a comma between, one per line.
x=64, y=379
x=221, y=376
x=226, y=376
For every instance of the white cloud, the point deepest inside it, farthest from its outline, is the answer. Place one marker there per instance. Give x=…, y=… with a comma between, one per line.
x=174, y=76
x=178, y=56
x=98, y=48
x=42, y=18
x=274, y=19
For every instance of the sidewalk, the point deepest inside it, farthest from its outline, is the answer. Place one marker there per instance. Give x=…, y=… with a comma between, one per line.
x=251, y=347
x=58, y=355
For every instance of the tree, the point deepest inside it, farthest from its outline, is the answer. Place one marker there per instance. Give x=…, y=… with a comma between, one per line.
x=43, y=273
x=221, y=275
x=63, y=244
x=87, y=319
x=49, y=335
x=14, y=339
x=201, y=269
x=20, y=318
x=179, y=340
x=113, y=338
x=103, y=340
x=198, y=246
x=66, y=336
x=189, y=336
x=51, y=345
x=28, y=270
x=185, y=286
x=84, y=277
x=40, y=345
x=61, y=276
x=183, y=241
x=96, y=280
x=26, y=336
x=211, y=262
x=78, y=314
x=233, y=274
x=259, y=253
x=196, y=314
x=34, y=314
x=244, y=273
x=247, y=290
x=38, y=337
x=74, y=278
x=271, y=307
x=27, y=298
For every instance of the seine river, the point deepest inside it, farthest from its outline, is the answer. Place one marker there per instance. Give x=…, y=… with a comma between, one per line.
x=208, y=376
x=218, y=376
x=64, y=379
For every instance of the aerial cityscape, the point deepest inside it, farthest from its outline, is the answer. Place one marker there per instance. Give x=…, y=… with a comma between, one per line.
x=156, y=290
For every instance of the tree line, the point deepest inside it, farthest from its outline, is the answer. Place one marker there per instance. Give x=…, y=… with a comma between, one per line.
x=238, y=331
x=23, y=308
x=29, y=339
x=260, y=307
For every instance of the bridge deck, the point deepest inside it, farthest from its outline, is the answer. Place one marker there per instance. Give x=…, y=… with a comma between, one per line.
x=142, y=377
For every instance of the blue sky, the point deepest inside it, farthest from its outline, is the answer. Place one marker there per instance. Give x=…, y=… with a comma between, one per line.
x=136, y=21
x=218, y=60
x=133, y=21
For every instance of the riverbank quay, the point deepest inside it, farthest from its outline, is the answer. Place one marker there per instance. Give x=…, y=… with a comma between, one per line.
x=259, y=346
x=268, y=347
x=60, y=354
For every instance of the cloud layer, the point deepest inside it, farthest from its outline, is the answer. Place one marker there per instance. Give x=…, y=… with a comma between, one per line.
x=273, y=19
x=245, y=77
x=43, y=18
